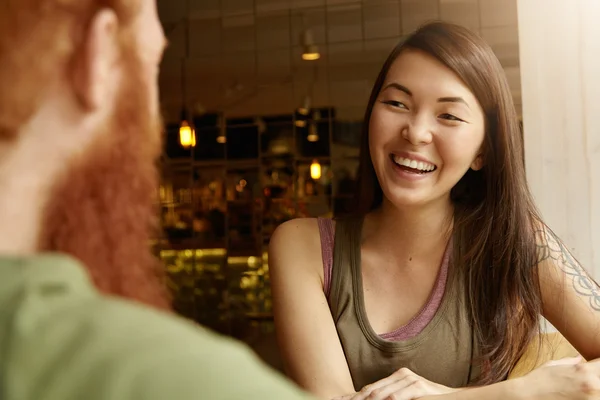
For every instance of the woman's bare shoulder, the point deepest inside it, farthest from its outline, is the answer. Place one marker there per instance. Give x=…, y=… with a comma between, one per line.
x=297, y=242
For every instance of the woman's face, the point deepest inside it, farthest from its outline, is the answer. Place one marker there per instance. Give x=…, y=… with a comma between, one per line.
x=426, y=130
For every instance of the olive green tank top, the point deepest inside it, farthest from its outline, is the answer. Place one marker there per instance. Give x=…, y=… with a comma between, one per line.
x=441, y=352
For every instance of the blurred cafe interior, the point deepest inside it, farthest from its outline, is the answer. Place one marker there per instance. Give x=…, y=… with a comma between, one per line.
x=263, y=102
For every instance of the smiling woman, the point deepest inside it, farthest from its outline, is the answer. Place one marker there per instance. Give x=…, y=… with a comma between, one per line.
x=440, y=278
x=424, y=114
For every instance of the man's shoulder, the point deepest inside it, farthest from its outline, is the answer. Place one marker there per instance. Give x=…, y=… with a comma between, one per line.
x=62, y=334
x=48, y=291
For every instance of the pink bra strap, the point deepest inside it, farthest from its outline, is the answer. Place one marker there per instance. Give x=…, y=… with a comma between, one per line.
x=326, y=231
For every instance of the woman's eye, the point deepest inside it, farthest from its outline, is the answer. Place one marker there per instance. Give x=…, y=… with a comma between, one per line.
x=394, y=103
x=451, y=117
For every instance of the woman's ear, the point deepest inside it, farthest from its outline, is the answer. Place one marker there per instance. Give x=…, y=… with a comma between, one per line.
x=477, y=163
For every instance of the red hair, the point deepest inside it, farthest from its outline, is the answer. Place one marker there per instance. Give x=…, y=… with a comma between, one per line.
x=101, y=210
x=37, y=37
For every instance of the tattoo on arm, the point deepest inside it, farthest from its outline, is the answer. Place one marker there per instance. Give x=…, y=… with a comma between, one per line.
x=551, y=247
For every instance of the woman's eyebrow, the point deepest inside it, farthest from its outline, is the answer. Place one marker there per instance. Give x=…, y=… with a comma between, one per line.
x=453, y=100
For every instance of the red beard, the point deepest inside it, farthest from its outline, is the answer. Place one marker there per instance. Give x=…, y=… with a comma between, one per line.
x=103, y=211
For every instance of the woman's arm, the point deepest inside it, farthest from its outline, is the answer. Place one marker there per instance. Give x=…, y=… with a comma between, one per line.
x=406, y=385
x=306, y=333
x=571, y=303
x=557, y=380
x=560, y=380
x=507, y=390
x=570, y=297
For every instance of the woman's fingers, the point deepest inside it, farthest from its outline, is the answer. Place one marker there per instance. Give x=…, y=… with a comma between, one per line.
x=401, y=385
x=416, y=390
x=346, y=397
x=399, y=376
x=396, y=390
x=565, y=361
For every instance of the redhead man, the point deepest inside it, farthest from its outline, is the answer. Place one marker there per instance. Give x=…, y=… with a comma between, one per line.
x=80, y=296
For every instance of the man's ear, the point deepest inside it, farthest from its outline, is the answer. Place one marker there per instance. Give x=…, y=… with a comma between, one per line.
x=93, y=72
x=477, y=163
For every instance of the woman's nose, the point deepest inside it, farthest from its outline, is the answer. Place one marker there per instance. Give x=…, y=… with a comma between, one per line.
x=418, y=131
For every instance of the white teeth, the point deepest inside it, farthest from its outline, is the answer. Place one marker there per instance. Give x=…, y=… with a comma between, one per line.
x=414, y=164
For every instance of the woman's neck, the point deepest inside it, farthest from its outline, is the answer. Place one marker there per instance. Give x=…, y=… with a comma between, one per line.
x=415, y=231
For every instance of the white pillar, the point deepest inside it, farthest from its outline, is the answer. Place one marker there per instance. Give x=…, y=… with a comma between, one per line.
x=559, y=44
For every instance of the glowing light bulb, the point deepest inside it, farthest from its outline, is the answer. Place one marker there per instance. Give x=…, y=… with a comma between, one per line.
x=315, y=170
x=187, y=136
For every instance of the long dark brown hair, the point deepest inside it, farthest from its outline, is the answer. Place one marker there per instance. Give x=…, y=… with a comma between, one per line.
x=495, y=250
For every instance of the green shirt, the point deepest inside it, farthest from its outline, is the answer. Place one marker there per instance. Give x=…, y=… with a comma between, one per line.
x=62, y=340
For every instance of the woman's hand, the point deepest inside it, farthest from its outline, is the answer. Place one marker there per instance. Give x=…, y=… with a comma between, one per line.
x=569, y=378
x=401, y=385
